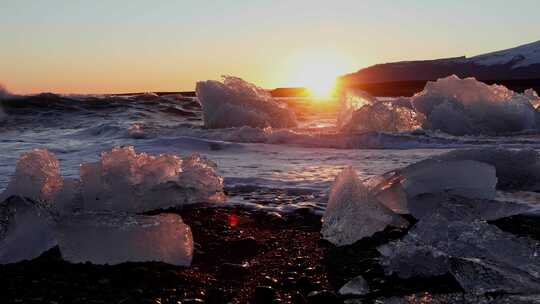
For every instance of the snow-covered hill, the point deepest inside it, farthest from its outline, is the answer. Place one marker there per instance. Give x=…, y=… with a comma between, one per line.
x=522, y=62
x=521, y=56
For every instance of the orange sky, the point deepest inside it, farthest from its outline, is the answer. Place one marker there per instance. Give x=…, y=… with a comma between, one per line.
x=124, y=46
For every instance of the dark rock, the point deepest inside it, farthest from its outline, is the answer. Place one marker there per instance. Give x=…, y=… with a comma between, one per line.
x=298, y=298
x=246, y=247
x=267, y=280
x=289, y=283
x=215, y=296
x=322, y=297
x=265, y=294
x=192, y=301
x=304, y=285
x=231, y=270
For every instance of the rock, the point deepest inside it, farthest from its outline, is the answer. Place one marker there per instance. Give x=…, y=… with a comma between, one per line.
x=322, y=297
x=245, y=247
x=298, y=298
x=304, y=285
x=267, y=280
x=265, y=294
x=355, y=287
x=231, y=270
x=192, y=301
x=215, y=296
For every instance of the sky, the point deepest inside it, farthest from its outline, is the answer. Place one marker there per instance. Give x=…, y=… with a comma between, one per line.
x=76, y=46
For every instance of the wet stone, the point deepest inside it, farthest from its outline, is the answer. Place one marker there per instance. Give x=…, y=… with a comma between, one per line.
x=298, y=298
x=322, y=297
x=231, y=270
x=265, y=294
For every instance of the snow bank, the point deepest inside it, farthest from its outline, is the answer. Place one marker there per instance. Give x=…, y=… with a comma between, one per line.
x=467, y=106
x=360, y=112
x=26, y=230
x=123, y=180
x=107, y=238
x=37, y=176
x=352, y=213
x=235, y=103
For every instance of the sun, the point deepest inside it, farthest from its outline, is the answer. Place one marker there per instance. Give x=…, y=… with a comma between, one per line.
x=317, y=70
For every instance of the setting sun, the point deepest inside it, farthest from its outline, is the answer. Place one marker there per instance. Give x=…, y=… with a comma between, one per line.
x=318, y=70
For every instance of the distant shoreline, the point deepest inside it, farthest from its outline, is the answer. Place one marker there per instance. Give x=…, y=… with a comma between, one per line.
x=386, y=89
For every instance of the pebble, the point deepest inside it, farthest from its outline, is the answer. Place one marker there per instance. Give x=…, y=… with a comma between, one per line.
x=192, y=301
x=298, y=298
x=322, y=297
x=234, y=270
x=304, y=285
x=265, y=294
x=215, y=296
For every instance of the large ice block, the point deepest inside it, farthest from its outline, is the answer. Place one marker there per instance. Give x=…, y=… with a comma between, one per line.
x=112, y=238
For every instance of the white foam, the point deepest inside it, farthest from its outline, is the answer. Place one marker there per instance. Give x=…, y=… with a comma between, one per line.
x=37, y=176
x=26, y=230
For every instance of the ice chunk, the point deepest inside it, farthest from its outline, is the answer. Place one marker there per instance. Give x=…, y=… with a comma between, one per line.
x=235, y=103
x=516, y=169
x=465, y=178
x=408, y=260
x=473, y=251
x=123, y=180
x=26, y=229
x=467, y=106
x=456, y=208
x=352, y=213
x=37, y=176
x=479, y=276
x=533, y=97
x=361, y=112
x=136, y=130
x=355, y=287
x=112, y=238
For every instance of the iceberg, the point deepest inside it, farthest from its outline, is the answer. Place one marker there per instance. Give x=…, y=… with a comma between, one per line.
x=113, y=238
x=236, y=103
x=27, y=229
x=352, y=213
x=123, y=180
x=37, y=176
x=467, y=106
x=360, y=112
